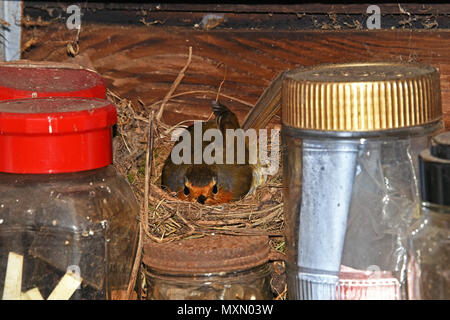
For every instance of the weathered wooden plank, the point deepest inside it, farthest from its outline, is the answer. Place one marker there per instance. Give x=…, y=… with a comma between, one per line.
x=331, y=16
x=142, y=62
x=306, y=7
x=350, y=8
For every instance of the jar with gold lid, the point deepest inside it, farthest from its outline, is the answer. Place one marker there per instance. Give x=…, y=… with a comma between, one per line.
x=213, y=267
x=351, y=136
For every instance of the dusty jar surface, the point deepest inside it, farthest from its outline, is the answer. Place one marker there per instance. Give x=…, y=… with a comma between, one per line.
x=37, y=79
x=82, y=224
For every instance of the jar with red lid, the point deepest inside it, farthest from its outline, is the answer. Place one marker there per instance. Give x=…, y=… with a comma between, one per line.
x=68, y=221
x=213, y=267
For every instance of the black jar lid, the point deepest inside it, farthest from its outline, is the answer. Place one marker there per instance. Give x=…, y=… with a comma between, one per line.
x=208, y=254
x=434, y=167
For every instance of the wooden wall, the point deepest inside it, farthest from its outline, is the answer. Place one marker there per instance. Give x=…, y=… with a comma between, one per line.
x=141, y=61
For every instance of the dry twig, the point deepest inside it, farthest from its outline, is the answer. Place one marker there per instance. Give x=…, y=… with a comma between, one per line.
x=143, y=223
x=174, y=86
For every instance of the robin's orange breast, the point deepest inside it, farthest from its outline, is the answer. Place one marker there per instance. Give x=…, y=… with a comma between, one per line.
x=209, y=183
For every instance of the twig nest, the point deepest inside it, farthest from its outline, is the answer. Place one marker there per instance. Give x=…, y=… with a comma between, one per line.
x=169, y=218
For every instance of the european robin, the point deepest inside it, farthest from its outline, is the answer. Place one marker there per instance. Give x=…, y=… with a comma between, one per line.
x=210, y=183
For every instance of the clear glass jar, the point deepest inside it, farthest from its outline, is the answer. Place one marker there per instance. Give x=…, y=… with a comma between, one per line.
x=429, y=239
x=350, y=175
x=429, y=265
x=68, y=221
x=374, y=188
x=250, y=284
x=82, y=222
x=214, y=267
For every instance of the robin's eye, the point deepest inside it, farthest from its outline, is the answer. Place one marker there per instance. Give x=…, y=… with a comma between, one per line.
x=214, y=189
x=186, y=190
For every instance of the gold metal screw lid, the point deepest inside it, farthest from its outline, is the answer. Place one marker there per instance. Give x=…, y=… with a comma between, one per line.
x=361, y=96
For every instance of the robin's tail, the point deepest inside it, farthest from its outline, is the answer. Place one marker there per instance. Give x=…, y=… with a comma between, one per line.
x=225, y=119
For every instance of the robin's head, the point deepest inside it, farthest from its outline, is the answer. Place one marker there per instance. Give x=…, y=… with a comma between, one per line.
x=200, y=185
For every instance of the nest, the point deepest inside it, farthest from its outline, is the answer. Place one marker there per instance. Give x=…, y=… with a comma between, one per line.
x=167, y=218
x=141, y=144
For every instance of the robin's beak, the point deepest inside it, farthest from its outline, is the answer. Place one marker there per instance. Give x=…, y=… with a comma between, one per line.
x=201, y=199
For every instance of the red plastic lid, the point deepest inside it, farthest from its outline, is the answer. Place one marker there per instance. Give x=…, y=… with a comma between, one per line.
x=55, y=135
x=30, y=79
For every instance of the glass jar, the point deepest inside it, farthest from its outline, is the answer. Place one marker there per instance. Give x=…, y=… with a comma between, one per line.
x=68, y=221
x=215, y=267
x=351, y=135
x=429, y=240
x=23, y=79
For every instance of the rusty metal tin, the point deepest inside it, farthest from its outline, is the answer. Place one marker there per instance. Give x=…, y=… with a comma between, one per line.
x=209, y=254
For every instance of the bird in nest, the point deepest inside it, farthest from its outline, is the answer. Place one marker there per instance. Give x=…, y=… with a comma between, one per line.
x=213, y=183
